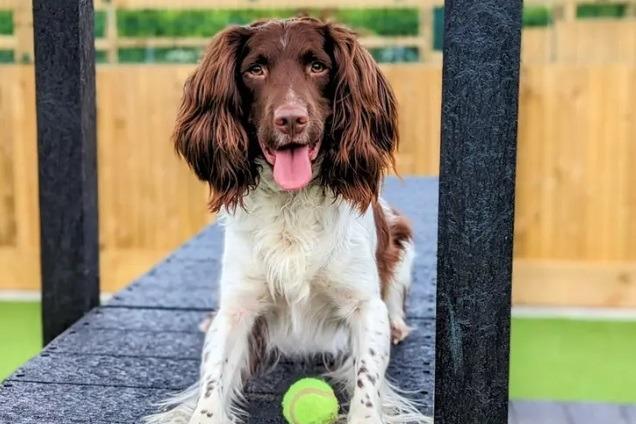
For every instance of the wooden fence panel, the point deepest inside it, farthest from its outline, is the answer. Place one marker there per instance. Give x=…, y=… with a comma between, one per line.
x=419, y=90
x=149, y=200
x=584, y=42
x=577, y=196
x=599, y=41
x=19, y=216
x=536, y=45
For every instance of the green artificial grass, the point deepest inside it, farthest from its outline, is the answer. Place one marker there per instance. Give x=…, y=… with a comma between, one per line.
x=20, y=334
x=563, y=359
x=552, y=359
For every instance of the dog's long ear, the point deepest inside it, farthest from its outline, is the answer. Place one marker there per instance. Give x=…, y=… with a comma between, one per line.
x=364, y=132
x=209, y=132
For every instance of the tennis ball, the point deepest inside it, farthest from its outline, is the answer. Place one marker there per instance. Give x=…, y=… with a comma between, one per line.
x=310, y=401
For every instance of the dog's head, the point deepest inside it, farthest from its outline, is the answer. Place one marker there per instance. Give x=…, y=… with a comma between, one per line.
x=299, y=93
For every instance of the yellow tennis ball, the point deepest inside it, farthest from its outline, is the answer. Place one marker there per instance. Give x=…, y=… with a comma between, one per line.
x=310, y=401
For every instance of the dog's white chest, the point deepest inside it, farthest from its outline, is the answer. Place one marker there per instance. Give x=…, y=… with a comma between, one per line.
x=291, y=239
x=286, y=249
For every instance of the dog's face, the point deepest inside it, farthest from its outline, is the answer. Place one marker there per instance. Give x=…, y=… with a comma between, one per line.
x=302, y=95
x=287, y=71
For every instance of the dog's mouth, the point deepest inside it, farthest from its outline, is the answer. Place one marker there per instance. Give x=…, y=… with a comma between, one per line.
x=292, y=164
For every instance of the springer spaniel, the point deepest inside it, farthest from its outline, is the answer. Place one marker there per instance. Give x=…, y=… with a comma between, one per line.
x=293, y=126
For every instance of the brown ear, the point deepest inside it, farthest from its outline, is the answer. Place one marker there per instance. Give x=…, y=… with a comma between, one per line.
x=209, y=132
x=364, y=132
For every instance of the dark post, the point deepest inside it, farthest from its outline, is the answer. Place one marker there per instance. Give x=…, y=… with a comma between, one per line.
x=476, y=204
x=65, y=102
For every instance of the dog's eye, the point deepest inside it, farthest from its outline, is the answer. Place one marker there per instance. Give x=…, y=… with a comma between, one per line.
x=317, y=67
x=256, y=70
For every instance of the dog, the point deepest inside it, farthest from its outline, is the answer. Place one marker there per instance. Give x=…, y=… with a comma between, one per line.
x=293, y=126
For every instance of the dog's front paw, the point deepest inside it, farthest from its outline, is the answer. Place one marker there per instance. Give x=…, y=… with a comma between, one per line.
x=209, y=416
x=368, y=418
x=364, y=411
x=399, y=330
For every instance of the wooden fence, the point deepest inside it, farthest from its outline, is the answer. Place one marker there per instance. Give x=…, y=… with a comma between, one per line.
x=601, y=41
x=149, y=202
x=576, y=197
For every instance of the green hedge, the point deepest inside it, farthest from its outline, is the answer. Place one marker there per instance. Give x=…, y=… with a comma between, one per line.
x=395, y=54
x=183, y=23
x=6, y=56
x=100, y=23
x=6, y=22
x=159, y=55
x=438, y=28
x=537, y=16
x=390, y=22
x=196, y=23
x=101, y=56
x=590, y=10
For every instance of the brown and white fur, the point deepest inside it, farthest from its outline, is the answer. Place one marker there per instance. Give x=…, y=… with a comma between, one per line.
x=323, y=268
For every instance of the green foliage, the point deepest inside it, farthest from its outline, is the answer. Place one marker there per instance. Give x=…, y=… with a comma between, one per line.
x=159, y=55
x=6, y=56
x=438, y=28
x=537, y=16
x=100, y=23
x=101, y=56
x=197, y=23
x=187, y=23
x=389, y=22
x=395, y=54
x=590, y=10
x=6, y=22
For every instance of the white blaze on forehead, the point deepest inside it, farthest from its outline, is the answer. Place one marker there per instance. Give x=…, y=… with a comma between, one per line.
x=284, y=39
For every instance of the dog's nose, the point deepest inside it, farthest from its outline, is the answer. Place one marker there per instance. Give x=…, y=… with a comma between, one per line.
x=291, y=119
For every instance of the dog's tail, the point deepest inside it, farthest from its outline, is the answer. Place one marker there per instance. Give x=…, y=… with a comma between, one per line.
x=177, y=409
x=400, y=409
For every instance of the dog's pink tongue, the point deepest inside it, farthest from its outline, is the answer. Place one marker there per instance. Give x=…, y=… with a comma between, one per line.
x=292, y=168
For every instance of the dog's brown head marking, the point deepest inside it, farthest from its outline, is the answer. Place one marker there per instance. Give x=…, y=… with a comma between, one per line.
x=298, y=93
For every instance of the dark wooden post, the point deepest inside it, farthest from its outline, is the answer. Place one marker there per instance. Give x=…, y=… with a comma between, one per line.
x=476, y=204
x=65, y=102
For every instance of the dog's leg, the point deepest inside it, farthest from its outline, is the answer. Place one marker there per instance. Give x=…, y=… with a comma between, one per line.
x=224, y=360
x=370, y=338
x=395, y=297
